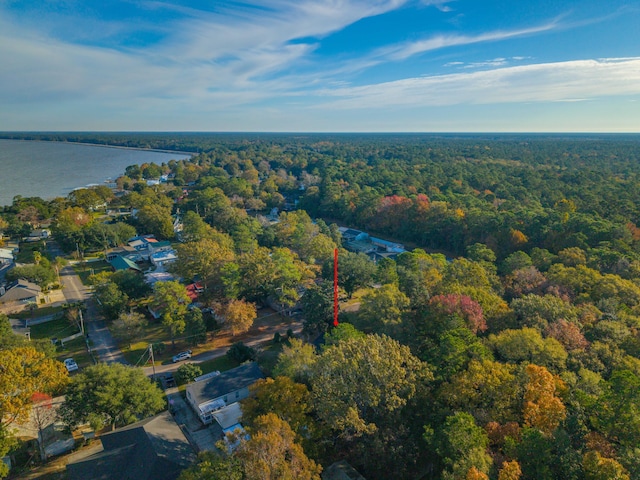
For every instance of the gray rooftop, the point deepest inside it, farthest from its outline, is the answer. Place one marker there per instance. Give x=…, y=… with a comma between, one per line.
x=225, y=383
x=154, y=448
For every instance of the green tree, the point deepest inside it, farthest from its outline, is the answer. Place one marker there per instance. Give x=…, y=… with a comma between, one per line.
x=213, y=466
x=195, y=328
x=204, y=258
x=283, y=397
x=383, y=310
x=462, y=445
x=527, y=345
x=344, y=331
x=156, y=219
x=111, y=299
x=617, y=413
x=39, y=274
x=296, y=361
x=128, y=327
x=487, y=390
x=387, y=272
x=187, y=373
x=363, y=381
x=317, y=308
x=115, y=393
x=355, y=271
x=239, y=352
x=597, y=467
x=172, y=300
x=131, y=283
x=538, y=312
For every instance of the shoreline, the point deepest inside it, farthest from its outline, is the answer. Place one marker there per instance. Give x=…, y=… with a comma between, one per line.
x=140, y=149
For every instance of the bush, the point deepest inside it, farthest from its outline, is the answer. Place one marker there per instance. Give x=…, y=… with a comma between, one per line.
x=187, y=373
x=159, y=348
x=241, y=353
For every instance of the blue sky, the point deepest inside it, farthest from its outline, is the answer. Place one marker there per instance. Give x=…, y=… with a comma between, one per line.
x=311, y=65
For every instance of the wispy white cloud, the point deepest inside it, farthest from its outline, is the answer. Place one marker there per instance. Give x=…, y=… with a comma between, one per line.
x=408, y=49
x=546, y=82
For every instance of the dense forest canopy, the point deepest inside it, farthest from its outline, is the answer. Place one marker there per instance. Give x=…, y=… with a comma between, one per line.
x=505, y=344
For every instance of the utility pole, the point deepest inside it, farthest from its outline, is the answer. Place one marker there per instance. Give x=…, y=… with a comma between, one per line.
x=153, y=363
x=81, y=319
x=335, y=287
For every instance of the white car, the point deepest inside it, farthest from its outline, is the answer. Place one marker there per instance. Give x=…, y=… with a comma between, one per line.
x=71, y=365
x=181, y=356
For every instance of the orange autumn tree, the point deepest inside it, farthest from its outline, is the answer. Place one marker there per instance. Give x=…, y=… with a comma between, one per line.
x=475, y=474
x=542, y=408
x=510, y=471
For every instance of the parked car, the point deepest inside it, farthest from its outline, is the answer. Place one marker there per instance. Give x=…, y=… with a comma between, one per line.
x=169, y=381
x=71, y=365
x=181, y=356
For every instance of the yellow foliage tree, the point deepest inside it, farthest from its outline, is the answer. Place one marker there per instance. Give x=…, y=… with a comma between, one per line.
x=542, y=409
x=510, y=471
x=272, y=453
x=23, y=372
x=239, y=315
x=475, y=474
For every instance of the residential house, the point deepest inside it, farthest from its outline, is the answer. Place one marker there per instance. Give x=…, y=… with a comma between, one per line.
x=141, y=244
x=38, y=234
x=341, y=470
x=123, y=263
x=214, y=394
x=20, y=291
x=124, y=251
x=374, y=248
x=154, y=277
x=6, y=256
x=153, y=449
x=163, y=258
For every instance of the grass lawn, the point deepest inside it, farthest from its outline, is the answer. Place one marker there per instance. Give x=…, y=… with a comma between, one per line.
x=268, y=357
x=153, y=333
x=39, y=312
x=85, y=269
x=221, y=364
x=59, y=328
x=76, y=349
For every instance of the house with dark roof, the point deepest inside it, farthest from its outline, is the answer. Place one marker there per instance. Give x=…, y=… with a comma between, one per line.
x=21, y=291
x=154, y=448
x=212, y=394
x=341, y=470
x=123, y=263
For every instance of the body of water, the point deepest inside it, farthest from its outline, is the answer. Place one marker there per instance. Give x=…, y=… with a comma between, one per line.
x=52, y=169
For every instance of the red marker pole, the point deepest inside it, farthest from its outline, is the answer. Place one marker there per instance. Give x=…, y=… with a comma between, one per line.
x=335, y=287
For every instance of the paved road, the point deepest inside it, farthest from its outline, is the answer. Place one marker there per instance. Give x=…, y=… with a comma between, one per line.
x=263, y=337
x=103, y=344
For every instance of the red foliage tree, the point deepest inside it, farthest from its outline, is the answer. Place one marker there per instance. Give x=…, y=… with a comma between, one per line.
x=463, y=306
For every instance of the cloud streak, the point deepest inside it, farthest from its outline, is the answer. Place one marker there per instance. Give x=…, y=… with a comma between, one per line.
x=405, y=50
x=546, y=82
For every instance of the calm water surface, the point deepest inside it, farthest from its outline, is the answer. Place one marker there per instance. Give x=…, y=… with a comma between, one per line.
x=51, y=169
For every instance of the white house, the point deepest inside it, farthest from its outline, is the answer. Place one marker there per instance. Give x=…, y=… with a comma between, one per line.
x=6, y=256
x=163, y=258
x=212, y=395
